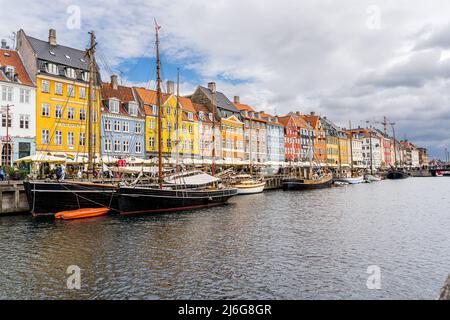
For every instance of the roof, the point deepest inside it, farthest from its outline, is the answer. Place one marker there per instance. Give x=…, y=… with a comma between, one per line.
x=285, y=120
x=148, y=98
x=271, y=119
x=60, y=54
x=243, y=107
x=221, y=101
x=202, y=108
x=300, y=122
x=12, y=58
x=124, y=94
x=313, y=119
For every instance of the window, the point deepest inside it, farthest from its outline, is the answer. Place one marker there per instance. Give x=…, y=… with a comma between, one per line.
x=45, y=86
x=108, y=145
x=45, y=111
x=107, y=125
x=71, y=139
x=211, y=118
x=169, y=143
x=114, y=106
x=58, y=88
x=4, y=120
x=151, y=142
x=85, y=75
x=138, y=147
x=152, y=124
x=82, y=93
x=58, y=112
x=24, y=121
x=24, y=96
x=138, y=128
x=116, y=145
x=82, y=114
x=168, y=110
x=58, y=138
x=155, y=110
x=117, y=126
x=191, y=130
x=201, y=115
x=190, y=116
x=70, y=73
x=126, y=146
x=126, y=126
x=70, y=91
x=82, y=139
x=133, y=109
x=71, y=113
x=7, y=93
x=45, y=136
x=52, y=68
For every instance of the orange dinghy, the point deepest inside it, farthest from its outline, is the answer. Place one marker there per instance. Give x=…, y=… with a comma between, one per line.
x=81, y=213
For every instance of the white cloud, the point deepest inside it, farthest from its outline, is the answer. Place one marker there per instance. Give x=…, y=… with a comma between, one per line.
x=292, y=54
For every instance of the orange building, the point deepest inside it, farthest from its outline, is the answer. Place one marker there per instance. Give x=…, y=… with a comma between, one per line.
x=320, y=139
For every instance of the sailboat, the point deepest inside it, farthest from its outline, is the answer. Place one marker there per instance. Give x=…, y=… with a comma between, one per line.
x=315, y=181
x=165, y=198
x=395, y=173
x=45, y=198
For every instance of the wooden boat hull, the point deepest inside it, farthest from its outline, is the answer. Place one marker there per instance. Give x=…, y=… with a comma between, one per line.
x=371, y=178
x=250, y=188
x=301, y=184
x=151, y=200
x=82, y=213
x=47, y=198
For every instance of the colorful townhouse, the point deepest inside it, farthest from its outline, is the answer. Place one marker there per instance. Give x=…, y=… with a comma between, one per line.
x=122, y=123
x=62, y=77
x=355, y=148
x=255, y=133
x=189, y=131
x=17, y=108
x=275, y=138
x=371, y=147
x=229, y=118
x=205, y=132
x=292, y=143
x=332, y=142
x=148, y=103
x=386, y=159
x=411, y=158
x=306, y=133
x=423, y=157
x=344, y=148
x=320, y=139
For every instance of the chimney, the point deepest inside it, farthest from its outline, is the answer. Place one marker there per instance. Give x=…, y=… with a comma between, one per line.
x=4, y=44
x=170, y=87
x=237, y=100
x=114, y=82
x=212, y=87
x=297, y=113
x=52, y=37
x=313, y=113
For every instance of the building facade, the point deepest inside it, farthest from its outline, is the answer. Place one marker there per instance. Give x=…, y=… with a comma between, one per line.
x=123, y=122
x=320, y=139
x=275, y=139
x=62, y=78
x=17, y=107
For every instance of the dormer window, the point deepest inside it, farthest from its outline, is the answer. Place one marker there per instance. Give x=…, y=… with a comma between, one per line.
x=70, y=73
x=201, y=115
x=114, y=106
x=85, y=76
x=133, y=109
x=52, y=68
x=190, y=116
x=211, y=117
x=9, y=71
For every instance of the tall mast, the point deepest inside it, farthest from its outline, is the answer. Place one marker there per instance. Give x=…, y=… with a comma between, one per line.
x=395, y=145
x=251, y=145
x=213, y=165
x=91, y=93
x=158, y=105
x=178, y=120
x=351, y=146
x=370, y=147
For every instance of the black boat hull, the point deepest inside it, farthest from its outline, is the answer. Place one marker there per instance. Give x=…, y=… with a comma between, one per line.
x=48, y=198
x=299, y=184
x=397, y=175
x=152, y=200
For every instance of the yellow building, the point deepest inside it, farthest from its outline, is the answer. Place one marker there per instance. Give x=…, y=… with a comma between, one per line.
x=344, y=149
x=182, y=140
x=61, y=75
x=232, y=139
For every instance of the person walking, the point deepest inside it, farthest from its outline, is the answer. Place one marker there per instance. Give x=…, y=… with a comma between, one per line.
x=2, y=174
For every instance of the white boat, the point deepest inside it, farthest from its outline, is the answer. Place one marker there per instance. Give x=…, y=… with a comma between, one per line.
x=372, y=178
x=250, y=186
x=356, y=180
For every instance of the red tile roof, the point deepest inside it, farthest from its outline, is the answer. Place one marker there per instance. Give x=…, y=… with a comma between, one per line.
x=148, y=98
x=124, y=94
x=12, y=58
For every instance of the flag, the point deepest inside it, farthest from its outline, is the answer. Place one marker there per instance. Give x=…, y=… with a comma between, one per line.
x=70, y=156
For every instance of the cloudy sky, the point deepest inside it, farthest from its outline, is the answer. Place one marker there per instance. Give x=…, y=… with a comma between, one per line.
x=349, y=60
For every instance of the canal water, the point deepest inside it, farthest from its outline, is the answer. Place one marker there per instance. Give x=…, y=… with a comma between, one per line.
x=276, y=245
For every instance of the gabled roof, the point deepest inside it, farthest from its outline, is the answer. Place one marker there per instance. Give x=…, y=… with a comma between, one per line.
x=313, y=120
x=300, y=122
x=202, y=108
x=60, y=54
x=285, y=120
x=148, y=98
x=220, y=99
x=123, y=94
x=243, y=107
x=12, y=58
x=270, y=119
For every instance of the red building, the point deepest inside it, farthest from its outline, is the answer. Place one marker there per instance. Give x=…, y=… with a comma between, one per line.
x=292, y=143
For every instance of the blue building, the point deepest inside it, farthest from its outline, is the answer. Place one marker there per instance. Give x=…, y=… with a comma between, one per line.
x=123, y=123
x=275, y=139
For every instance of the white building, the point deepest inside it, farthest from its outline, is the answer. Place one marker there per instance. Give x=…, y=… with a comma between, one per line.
x=355, y=151
x=17, y=91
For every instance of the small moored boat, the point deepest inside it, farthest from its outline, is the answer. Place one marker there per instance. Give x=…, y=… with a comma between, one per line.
x=372, y=178
x=250, y=187
x=81, y=213
x=306, y=184
x=355, y=180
